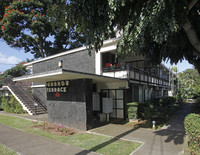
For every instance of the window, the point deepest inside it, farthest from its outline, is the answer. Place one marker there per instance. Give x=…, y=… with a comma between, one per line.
x=108, y=58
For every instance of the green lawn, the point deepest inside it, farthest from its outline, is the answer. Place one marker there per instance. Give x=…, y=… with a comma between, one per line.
x=96, y=143
x=6, y=151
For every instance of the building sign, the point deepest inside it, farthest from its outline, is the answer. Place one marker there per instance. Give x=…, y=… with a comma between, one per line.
x=56, y=90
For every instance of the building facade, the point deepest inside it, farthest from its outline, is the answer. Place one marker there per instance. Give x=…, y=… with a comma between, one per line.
x=78, y=88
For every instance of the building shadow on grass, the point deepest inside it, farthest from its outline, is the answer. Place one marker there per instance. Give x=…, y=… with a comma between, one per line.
x=114, y=139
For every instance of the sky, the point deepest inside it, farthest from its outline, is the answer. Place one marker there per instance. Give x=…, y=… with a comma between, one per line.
x=9, y=57
x=180, y=65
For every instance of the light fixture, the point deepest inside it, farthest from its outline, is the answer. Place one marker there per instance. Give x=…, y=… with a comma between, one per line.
x=154, y=124
x=60, y=63
x=35, y=105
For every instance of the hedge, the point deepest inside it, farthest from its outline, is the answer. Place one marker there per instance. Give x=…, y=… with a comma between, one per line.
x=0, y=102
x=136, y=109
x=133, y=110
x=155, y=108
x=192, y=127
x=10, y=104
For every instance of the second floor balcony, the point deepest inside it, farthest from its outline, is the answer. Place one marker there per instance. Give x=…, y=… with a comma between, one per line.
x=134, y=74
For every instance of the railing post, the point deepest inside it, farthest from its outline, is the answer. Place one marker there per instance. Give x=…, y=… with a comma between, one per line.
x=140, y=76
x=40, y=99
x=128, y=71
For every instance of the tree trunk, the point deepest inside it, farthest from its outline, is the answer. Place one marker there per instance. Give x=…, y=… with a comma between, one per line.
x=196, y=64
x=192, y=36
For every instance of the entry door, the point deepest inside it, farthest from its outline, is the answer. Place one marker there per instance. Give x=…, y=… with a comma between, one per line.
x=118, y=102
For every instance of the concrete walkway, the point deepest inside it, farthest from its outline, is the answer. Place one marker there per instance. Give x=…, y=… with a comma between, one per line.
x=167, y=141
x=176, y=122
x=29, y=144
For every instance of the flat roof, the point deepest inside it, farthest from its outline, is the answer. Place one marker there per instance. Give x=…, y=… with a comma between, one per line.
x=62, y=74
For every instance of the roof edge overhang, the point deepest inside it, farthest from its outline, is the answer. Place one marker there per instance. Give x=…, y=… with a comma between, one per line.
x=62, y=74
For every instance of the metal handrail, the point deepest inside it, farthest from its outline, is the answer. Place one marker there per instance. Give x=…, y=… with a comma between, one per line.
x=21, y=90
x=37, y=96
x=137, y=70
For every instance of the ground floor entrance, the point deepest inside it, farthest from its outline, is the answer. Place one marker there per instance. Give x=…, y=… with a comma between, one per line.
x=117, y=95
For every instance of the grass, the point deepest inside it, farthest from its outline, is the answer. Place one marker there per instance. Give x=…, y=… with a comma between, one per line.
x=6, y=151
x=96, y=143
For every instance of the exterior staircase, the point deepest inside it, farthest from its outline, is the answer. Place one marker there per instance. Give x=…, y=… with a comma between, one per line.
x=32, y=104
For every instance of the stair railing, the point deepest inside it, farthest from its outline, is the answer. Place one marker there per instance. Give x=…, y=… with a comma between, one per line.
x=40, y=99
x=20, y=89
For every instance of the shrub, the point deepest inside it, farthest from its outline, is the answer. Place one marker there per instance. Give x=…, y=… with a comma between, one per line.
x=155, y=101
x=0, y=101
x=167, y=101
x=198, y=100
x=5, y=104
x=142, y=108
x=138, y=110
x=156, y=109
x=10, y=104
x=192, y=127
x=148, y=113
x=179, y=98
x=133, y=110
x=196, y=106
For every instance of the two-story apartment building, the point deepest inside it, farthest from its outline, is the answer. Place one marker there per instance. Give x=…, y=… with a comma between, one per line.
x=78, y=88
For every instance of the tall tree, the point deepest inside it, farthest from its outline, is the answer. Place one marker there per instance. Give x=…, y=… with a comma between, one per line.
x=189, y=82
x=15, y=71
x=160, y=29
x=3, y=4
x=174, y=69
x=32, y=25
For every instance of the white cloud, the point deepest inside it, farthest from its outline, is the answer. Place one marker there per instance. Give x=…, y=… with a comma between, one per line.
x=9, y=60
